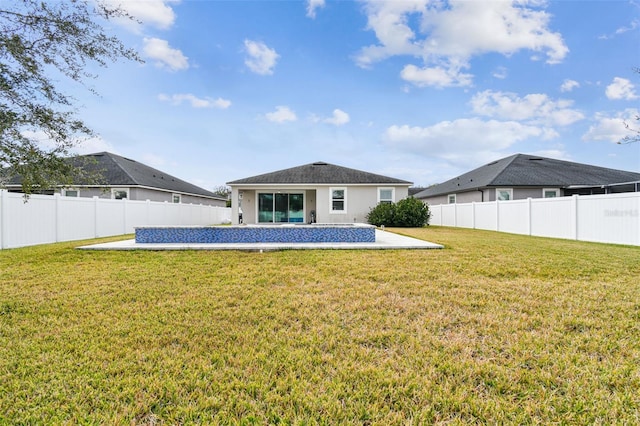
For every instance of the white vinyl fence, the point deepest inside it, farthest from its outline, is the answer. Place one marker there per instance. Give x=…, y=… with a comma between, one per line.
x=611, y=218
x=48, y=219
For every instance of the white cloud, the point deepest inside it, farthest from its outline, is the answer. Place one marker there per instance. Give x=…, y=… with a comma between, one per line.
x=436, y=76
x=632, y=26
x=569, y=85
x=195, y=102
x=312, y=6
x=464, y=141
x=621, y=88
x=611, y=128
x=339, y=118
x=261, y=59
x=449, y=34
x=156, y=13
x=165, y=55
x=500, y=73
x=282, y=114
x=536, y=107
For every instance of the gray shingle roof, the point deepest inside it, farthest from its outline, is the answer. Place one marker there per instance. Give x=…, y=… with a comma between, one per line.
x=521, y=170
x=120, y=171
x=319, y=173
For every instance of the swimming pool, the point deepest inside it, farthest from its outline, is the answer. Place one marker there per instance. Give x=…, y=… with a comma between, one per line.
x=272, y=233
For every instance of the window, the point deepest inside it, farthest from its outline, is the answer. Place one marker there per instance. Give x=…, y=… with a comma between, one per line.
x=338, y=200
x=452, y=198
x=550, y=192
x=385, y=195
x=176, y=199
x=280, y=207
x=504, y=194
x=119, y=193
x=70, y=192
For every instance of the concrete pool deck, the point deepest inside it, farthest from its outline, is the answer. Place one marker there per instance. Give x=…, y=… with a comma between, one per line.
x=384, y=241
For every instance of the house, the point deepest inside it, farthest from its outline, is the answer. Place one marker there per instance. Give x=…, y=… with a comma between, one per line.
x=522, y=176
x=316, y=192
x=120, y=177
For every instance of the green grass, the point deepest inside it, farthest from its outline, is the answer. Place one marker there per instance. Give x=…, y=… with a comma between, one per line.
x=495, y=328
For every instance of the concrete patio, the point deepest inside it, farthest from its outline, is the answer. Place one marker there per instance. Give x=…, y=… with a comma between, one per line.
x=384, y=241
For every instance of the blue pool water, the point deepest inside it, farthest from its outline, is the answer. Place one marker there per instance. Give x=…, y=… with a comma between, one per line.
x=314, y=233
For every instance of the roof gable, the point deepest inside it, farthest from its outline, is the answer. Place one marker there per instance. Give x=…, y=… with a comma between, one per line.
x=319, y=173
x=521, y=170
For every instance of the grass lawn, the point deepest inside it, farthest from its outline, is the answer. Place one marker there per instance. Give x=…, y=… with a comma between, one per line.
x=496, y=328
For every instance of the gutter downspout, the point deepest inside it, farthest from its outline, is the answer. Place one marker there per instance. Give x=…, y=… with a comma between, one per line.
x=481, y=192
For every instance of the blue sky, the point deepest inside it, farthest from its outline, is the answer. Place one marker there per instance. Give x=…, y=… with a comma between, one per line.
x=418, y=90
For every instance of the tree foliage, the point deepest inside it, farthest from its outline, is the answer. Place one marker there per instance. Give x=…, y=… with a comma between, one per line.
x=40, y=42
x=408, y=213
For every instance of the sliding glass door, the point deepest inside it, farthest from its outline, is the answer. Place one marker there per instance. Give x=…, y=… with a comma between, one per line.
x=280, y=208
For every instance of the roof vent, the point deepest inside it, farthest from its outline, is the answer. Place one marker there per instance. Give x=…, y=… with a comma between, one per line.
x=492, y=163
x=319, y=163
x=536, y=159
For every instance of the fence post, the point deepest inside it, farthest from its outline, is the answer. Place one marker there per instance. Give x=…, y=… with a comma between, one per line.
x=4, y=219
x=574, y=216
x=497, y=215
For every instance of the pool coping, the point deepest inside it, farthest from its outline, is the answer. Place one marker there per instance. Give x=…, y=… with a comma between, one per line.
x=385, y=240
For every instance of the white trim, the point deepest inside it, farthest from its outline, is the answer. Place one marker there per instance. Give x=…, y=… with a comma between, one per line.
x=455, y=198
x=387, y=188
x=508, y=190
x=344, y=200
x=545, y=190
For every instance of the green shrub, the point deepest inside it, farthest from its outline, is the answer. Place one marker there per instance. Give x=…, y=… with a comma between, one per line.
x=382, y=214
x=408, y=213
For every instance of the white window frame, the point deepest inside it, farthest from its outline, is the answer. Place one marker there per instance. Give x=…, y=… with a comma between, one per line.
x=173, y=198
x=545, y=190
x=114, y=190
x=66, y=190
x=509, y=190
x=393, y=195
x=450, y=197
x=344, y=200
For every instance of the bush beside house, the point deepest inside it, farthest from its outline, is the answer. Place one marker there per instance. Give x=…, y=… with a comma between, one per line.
x=406, y=213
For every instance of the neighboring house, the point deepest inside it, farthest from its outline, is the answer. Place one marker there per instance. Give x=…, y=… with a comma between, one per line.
x=317, y=192
x=523, y=176
x=122, y=177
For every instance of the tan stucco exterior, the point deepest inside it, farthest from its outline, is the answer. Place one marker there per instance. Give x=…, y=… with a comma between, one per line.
x=317, y=198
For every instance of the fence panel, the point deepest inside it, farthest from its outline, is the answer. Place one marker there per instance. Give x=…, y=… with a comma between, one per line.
x=551, y=217
x=37, y=224
x=513, y=217
x=448, y=215
x=464, y=215
x=76, y=218
x=610, y=218
x=48, y=219
x=487, y=216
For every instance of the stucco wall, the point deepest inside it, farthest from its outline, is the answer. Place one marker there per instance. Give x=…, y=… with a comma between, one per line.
x=359, y=199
